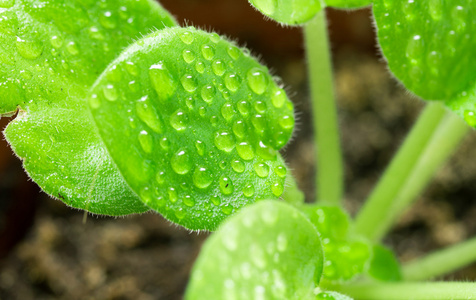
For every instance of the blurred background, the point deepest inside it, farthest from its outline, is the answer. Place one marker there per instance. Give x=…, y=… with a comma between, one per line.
x=48, y=252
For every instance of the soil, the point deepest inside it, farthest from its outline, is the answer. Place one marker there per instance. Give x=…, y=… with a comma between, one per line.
x=49, y=251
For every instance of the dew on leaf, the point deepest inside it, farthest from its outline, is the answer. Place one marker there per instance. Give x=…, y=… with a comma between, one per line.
x=164, y=144
x=233, y=52
x=224, y=141
x=218, y=67
x=29, y=49
x=188, y=201
x=187, y=37
x=189, y=83
x=249, y=190
x=56, y=41
x=107, y=20
x=180, y=213
x=7, y=3
x=160, y=177
x=181, y=162
x=244, y=108
x=232, y=82
x=226, y=185
x=162, y=81
x=179, y=120
x=257, y=80
x=245, y=151
x=148, y=115
x=260, y=106
x=259, y=123
x=227, y=111
x=188, y=56
x=265, y=152
x=145, y=141
x=72, y=48
x=94, y=101
x=131, y=68
x=281, y=171
x=435, y=7
x=172, y=194
x=286, y=122
x=200, y=67
x=238, y=166
x=257, y=256
x=202, y=178
x=227, y=209
x=146, y=194
x=200, y=148
x=470, y=117
x=208, y=92
x=277, y=189
x=95, y=33
x=239, y=129
x=261, y=169
x=215, y=200
x=208, y=52
x=110, y=92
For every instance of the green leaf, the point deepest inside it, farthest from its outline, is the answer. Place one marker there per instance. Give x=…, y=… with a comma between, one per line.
x=330, y=295
x=268, y=250
x=348, y=3
x=384, y=265
x=200, y=125
x=345, y=256
x=429, y=45
x=289, y=12
x=50, y=54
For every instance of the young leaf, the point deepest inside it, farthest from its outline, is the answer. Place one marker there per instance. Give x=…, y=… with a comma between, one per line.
x=200, y=125
x=330, y=295
x=50, y=54
x=384, y=265
x=289, y=12
x=429, y=45
x=348, y=3
x=345, y=256
x=268, y=250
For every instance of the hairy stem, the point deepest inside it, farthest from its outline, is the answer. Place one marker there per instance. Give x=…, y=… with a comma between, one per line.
x=329, y=179
x=441, y=262
x=380, y=203
x=410, y=290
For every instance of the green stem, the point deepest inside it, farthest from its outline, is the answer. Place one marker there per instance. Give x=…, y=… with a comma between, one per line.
x=410, y=290
x=329, y=179
x=441, y=262
x=377, y=207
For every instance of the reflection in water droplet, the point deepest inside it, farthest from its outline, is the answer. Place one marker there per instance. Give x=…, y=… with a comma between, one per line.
x=180, y=162
x=162, y=81
x=226, y=186
x=188, y=201
x=202, y=178
x=245, y=151
x=110, y=92
x=56, y=41
x=145, y=141
x=286, y=122
x=260, y=106
x=215, y=200
x=281, y=171
x=257, y=80
x=227, y=209
x=179, y=120
x=265, y=152
x=224, y=141
x=214, y=37
x=200, y=67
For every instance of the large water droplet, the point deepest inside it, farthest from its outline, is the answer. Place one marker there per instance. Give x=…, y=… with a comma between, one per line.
x=181, y=162
x=72, y=48
x=238, y=166
x=200, y=67
x=187, y=37
x=244, y=108
x=188, y=201
x=261, y=169
x=279, y=98
x=145, y=141
x=286, y=122
x=281, y=171
x=148, y=115
x=245, y=151
x=249, y=190
x=214, y=37
x=202, y=177
x=239, y=129
x=56, y=41
x=265, y=152
x=227, y=209
x=188, y=56
x=232, y=82
x=208, y=52
x=208, y=92
x=226, y=186
x=277, y=189
x=110, y=92
x=224, y=141
x=162, y=81
x=257, y=80
x=218, y=67
x=179, y=120
x=233, y=52
x=260, y=106
x=189, y=83
x=29, y=49
x=227, y=111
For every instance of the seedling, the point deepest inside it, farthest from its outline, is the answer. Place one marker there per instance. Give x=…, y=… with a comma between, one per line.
x=187, y=123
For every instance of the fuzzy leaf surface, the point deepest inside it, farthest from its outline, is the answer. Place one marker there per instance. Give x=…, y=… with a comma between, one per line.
x=51, y=52
x=268, y=250
x=289, y=12
x=201, y=123
x=348, y=3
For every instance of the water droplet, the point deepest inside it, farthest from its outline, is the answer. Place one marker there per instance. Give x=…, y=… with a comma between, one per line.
x=226, y=186
x=470, y=118
x=95, y=33
x=94, y=101
x=214, y=37
x=227, y=209
x=179, y=120
x=414, y=49
x=187, y=37
x=261, y=169
x=29, y=49
x=286, y=122
x=257, y=80
x=145, y=141
x=164, y=144
x=249, y=190
x=110, y=92
x=180, y=162
x=238, y=166
x=7, y=3
x=227, y=111
x=244, y=108
x=202, y=178
x=107, y=20
x=239, y=129
x=202, y=111
x=260, y=106
x=435, y=7
x=200, y=147
x=180, y=213
x=208, y=92
x=278, y=98
x=131, y=68
x=277, y=189
x=208, y=52
x=200, y=67
x=215, y=200
x=214, y=120
x=282, y=242
x=189, y=83
x=72, y=48
x=188, y=56
x=259, y=123
x=160, y=177
x=162, y=81
x=148, y=115
x=187, y=200
x=56, y=41
x=245, y=151
x=265, y=152
x=218, y=67
x=146, y=195
x=232, y=82
x=224, y=141
x=281, y=171
x=233, y=52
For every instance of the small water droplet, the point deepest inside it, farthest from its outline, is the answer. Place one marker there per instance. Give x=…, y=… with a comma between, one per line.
x=160, y=177
x=233, y=52
x=107, y=20
x=218, y=67
x=146, y=194
x=187, y=37
x=265, y=152
x=245, y=151
x=202, y=111
x=164, y=144
x=200, y=67
x=72, y=48
x=232, y=82
x=110, y=92
x=214, y=37
x=286, y=122
x=208, y=52
x=239, y=129
x=260, y=106
x=148, y=115
x=224, y=141
x=249, y=190
x=179, y=120
x=200, y=147
x=56, y=41
x=261, y=169
x=214, y=120
x=279, y=98
x=94, y=101
x=281, y=171
x=189, y=83
x=188, y=201
x=202, y=177
x=227, y=111
x=259, y=123
x=435, y=7
x=131, y=68
x=226, y=186
x=162, y=81
x=415, y=48
x=257, y=80
x=227, y=209
x=95, y=33
x=277, y=189
x=29, y=49
x=188, y=56
x=238, y=166
x=145, y=141
x=215, y=200
x=244, y=108
x=470, y=118
x=180, y=162
x=208, y=92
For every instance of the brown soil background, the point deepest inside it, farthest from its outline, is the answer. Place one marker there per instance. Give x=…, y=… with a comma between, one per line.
x=47, y=251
